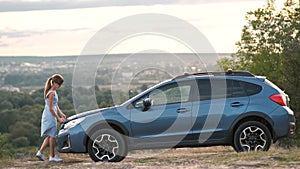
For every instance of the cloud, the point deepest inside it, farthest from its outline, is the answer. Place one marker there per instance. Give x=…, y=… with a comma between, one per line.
x=2, y=44
x=12, y=33
x=15, y=5
x=31, y=5
x=47, y=42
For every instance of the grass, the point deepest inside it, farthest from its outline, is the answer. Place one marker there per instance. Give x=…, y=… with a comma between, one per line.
x=145, y=160
x=214, y=156
x=275, y=157
x=6, y=161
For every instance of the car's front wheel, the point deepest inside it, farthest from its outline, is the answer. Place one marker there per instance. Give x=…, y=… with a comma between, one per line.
x=107, y=145
x=252, y=136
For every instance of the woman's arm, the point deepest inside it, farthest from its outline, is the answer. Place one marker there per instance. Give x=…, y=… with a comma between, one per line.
x=61, y=113
x=51, y=98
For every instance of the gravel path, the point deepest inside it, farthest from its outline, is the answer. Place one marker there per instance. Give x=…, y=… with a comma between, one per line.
x=192, y=158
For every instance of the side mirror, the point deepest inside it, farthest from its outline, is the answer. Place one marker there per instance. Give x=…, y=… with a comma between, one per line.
x=147, y=103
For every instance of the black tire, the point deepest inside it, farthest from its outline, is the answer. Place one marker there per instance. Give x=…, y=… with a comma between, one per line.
x=107, y=145
x=252, y=136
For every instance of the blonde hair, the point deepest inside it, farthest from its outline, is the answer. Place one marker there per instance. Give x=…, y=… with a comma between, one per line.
x=56, y=78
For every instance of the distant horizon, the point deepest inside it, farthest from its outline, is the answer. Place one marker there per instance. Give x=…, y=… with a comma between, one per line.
x=223, y=53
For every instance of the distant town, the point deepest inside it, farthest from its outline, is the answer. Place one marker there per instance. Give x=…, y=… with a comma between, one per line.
x=28, y=73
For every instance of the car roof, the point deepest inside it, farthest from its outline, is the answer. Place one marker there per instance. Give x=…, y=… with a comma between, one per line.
x=209, y=74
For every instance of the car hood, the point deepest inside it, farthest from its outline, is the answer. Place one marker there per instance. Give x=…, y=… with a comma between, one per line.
x=88, y=113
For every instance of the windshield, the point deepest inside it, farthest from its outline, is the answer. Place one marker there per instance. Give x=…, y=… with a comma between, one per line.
x=143, y=92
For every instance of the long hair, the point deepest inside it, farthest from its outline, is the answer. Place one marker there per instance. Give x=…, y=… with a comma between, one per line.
x=56, y=78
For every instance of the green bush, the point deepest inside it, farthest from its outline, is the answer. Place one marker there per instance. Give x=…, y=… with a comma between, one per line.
x=21, y=142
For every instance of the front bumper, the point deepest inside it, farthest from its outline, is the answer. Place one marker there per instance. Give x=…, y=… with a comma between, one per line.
x=71, y=140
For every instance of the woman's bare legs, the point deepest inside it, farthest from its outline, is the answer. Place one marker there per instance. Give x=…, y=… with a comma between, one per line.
x=45, y=144
x=52, y=142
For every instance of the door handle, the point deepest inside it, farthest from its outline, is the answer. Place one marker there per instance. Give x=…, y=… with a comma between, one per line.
x=236, y=104
x=182, y=110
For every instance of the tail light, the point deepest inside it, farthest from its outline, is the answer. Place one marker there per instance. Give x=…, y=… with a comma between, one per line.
x=280, y=99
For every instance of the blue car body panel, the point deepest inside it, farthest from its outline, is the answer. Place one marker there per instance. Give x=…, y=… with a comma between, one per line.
x=190, y=123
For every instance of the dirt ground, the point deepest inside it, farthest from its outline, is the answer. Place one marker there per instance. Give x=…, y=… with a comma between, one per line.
x=192, y=158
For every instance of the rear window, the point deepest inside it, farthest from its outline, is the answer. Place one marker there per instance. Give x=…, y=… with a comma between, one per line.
x=250, y=88
x=235, y=89
x=232, y=88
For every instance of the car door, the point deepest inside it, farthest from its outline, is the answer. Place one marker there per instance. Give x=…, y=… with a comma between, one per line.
x=218, y=103
x=168, y=120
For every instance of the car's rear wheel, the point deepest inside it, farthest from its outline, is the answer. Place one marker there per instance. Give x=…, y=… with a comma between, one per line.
x=107, y=145
x=252, y=136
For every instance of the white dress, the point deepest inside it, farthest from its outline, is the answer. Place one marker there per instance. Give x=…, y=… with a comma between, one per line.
x=49, y=123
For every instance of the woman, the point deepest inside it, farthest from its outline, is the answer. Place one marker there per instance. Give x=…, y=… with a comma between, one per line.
x=51, y=115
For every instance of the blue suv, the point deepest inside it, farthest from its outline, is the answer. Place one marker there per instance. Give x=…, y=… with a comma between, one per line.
x=202, y=109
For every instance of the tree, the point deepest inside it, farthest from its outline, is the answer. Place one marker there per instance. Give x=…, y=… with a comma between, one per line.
x=291, y=53
x=21, y=142
x=25, y=131
x=260, y=47
x=270, y=46
x=7, y=119
x=6, y=105
x=5, y=145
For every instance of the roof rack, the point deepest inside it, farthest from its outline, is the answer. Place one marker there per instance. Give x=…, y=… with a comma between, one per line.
x=227, y=73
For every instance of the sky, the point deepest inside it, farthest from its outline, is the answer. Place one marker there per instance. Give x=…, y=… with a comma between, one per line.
x=64, y=27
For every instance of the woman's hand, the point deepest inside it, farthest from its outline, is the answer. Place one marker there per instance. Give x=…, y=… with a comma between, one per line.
x=61, y=119
x=63, y=116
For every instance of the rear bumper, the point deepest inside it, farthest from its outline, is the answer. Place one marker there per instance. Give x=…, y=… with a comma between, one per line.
x=284, y=122
x=292, y=125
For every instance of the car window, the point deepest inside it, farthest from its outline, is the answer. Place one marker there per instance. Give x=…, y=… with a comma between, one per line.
x=168, y=94
x=219, y=88
x=235, y=89
x=251, y=89
x=211, y=89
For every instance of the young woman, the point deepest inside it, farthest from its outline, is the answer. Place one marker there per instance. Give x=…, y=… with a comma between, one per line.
x=51, y=115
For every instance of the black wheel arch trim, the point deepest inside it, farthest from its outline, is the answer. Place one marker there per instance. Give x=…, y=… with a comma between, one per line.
x=105, y=124
x=253, y=115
